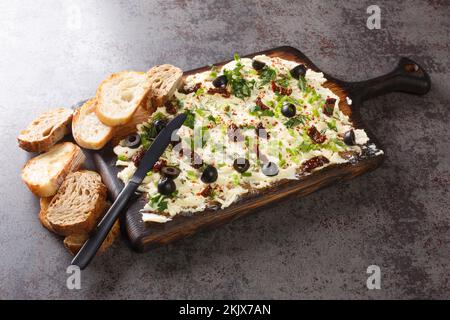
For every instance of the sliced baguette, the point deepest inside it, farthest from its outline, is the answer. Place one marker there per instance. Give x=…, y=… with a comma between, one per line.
x=74, y=242
x=44, y=174
x=87, y=130
x=78, y=204
x=44, y=131
x=141, y=115
x=44, y=202
x=164, y=79
x=120, y=95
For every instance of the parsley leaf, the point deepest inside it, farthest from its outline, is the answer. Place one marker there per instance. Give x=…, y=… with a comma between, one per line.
x=190, y=119
x=295, y=121
x=332, y=125
x=302, y=83
x=267, y=75
x=256, y=111
x=158, y=202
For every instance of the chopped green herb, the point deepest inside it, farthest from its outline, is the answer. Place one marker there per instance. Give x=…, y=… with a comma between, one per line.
x=246, y=174
x=122, y=157
x=158, y=202
x=256, y=111
x=295, y=121
x=191, y=175
x=302, y=83
x=332, y=125
x=284, y=80
x=235, y=179
x=267, y=75
x=315, y=112
x=199, y=91
x=213, y=72
x=190, y=119
x=212, y=119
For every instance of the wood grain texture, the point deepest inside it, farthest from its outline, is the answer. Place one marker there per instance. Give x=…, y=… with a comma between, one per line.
x=145, y=236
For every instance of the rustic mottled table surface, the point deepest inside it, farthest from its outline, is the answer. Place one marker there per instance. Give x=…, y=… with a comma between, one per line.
x=54, y=53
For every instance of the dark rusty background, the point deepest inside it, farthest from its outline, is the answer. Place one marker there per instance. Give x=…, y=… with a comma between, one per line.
x=54, y=53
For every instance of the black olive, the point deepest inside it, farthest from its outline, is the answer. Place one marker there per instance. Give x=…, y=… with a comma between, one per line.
x=159, y=125
x=132, y=141
x=349, y=138
x=258, y=65
x=241, y=165
x=270, y=169
x=298, y=71
x=288, y=110
x=166, y=186
x=170, y=172
x=220, y=81
x=209, y=175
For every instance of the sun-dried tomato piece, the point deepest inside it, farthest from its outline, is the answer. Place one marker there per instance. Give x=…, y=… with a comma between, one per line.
x=192, y=89
x=206, y=192
x=222, y=91
x=316, y=136
x=328, y=107
x=315, y=162
x=159, y=164
x=281, y=90
x=260, y=104
x=137, y=157
x=170, y=108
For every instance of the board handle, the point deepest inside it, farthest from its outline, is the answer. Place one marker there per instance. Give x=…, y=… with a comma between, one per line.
x=408, y=77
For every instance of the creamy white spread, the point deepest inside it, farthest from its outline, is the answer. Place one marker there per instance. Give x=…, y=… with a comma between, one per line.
x=289, y=144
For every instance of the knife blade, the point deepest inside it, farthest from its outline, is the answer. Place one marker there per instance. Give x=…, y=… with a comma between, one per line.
x=157, y=148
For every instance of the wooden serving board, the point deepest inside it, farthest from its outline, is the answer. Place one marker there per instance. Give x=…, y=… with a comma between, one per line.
x=408, y=77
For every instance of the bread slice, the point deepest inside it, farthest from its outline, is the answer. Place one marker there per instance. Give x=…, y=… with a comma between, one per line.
x=120, y=95
x=44, y=174
x=78, y=204
x=44, y=131
x=44, y=202
x=87, y=130
x=164, y=79
x=141, y=115
x=74, y=242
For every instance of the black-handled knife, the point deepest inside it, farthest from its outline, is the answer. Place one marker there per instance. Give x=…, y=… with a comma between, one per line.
x=159, y=145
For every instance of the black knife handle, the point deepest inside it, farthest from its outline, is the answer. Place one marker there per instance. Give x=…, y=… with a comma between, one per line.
x=90, y=247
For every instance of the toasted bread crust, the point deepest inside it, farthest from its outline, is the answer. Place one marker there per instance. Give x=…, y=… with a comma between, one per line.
x=64, y=218
x=45, y=140
x=141, y=115
x=72, y=163
x=44, y=202
x=74, y=242
x=88, y=109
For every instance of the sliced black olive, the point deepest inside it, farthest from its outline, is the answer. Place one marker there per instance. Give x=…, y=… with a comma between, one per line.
x=170, y=172
x=258, y=65
x=166, y=186
x=209, y=175
x=349, y=138
x=270, y=169
x=220, y=81
x=288, y=110
x=298, y=71
x=132, y=141
x=241, y=165
x=159, y=125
